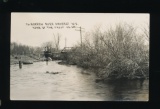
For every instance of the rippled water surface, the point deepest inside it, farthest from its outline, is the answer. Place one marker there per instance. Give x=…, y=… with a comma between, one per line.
x=71, y=83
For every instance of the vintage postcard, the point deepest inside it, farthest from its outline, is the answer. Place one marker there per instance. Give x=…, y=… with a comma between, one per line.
x=79, y=56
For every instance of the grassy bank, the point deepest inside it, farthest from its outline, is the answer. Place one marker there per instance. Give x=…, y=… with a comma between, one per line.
x=116, y=53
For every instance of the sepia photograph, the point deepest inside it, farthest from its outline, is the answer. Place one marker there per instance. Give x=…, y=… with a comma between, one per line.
x=79, y=56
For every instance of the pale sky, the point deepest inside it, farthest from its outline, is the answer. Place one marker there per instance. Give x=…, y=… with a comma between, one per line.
x=24, y=34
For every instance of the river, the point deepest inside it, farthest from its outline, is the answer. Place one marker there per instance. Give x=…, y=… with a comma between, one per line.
x=37, y=82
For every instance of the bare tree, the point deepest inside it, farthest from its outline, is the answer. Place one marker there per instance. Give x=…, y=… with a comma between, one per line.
x=145, y=30
x=47, y=45
x=56, y=41
x=122, y=45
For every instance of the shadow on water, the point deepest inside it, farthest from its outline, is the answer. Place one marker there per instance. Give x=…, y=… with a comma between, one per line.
x=126, y=90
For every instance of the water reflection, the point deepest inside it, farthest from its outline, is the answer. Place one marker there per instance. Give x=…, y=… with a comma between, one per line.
x=71, y=83
x=129, y=90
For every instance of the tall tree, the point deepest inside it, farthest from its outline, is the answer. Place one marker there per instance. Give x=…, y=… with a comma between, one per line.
x=56, y=41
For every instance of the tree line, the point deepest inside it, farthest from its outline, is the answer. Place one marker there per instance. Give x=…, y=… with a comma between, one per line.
x=20, y=49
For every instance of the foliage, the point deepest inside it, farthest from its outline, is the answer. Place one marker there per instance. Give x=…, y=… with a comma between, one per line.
x=53, y=45
x=19, y=49
x=118, y=52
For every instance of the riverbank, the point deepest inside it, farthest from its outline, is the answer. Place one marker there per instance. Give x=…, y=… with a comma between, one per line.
x=24, y=58
x=116, y=53
x=117, y=70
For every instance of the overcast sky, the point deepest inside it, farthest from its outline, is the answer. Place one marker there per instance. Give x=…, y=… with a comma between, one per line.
x=26, y=34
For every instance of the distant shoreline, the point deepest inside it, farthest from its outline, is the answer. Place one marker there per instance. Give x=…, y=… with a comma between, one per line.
x=24, y=58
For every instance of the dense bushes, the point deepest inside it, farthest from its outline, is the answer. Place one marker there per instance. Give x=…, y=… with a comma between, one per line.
x=119, y=52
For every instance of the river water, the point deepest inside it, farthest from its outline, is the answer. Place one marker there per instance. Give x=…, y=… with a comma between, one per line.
x=70, y=83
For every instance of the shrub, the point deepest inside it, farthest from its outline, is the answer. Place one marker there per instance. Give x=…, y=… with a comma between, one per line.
x=118, y=53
